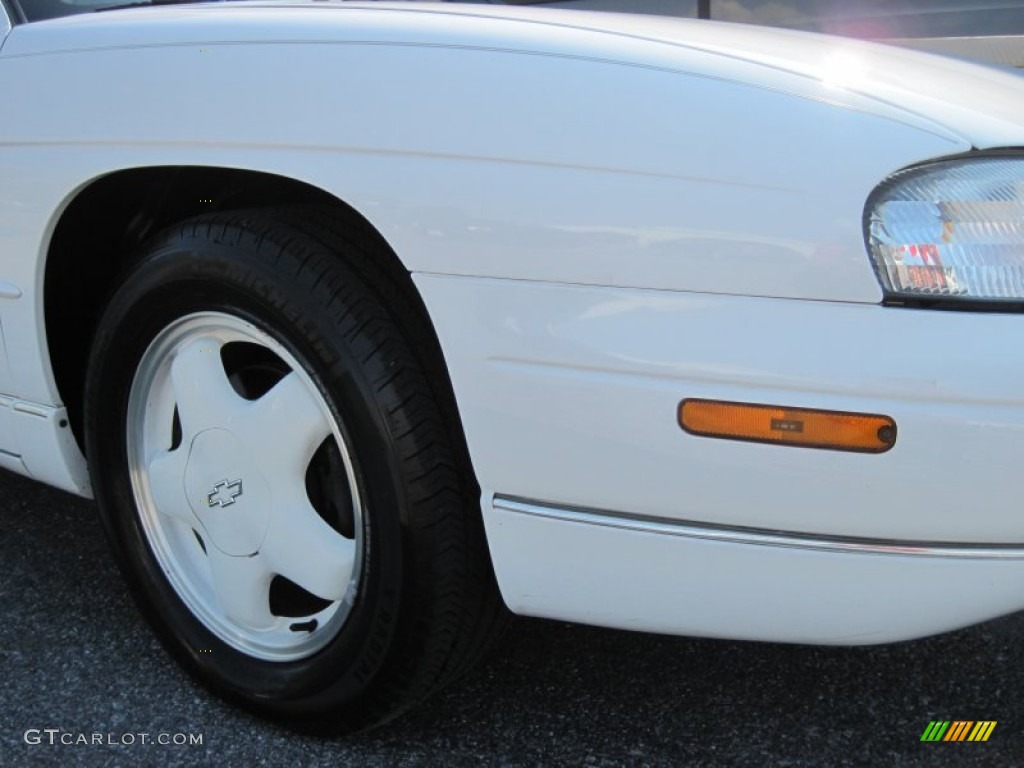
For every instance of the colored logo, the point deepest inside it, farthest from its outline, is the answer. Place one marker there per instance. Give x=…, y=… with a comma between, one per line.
x=958, y=730
x=224, y=493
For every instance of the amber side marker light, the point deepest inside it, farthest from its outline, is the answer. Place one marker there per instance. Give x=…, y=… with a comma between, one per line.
x=781, y=425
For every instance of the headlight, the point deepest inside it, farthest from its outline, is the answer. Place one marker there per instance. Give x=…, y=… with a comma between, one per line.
x=951, y=230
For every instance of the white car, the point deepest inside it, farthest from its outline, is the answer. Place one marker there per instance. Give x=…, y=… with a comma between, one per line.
x=360, y=320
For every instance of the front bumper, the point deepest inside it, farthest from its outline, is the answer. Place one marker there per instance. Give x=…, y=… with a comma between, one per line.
x=606, y=569
x=569, y=394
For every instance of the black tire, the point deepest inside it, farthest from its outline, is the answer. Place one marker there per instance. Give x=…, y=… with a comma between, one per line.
x=426, y=603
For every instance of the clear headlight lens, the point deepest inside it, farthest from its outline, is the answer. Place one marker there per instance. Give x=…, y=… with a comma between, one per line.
x=952, y=229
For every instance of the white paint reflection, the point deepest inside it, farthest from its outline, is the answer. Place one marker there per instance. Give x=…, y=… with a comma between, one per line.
x=844, y=69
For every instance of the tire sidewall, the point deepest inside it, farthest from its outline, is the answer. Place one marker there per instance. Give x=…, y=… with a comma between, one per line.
x=187, y=277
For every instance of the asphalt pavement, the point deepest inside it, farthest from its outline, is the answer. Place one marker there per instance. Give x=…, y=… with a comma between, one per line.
x=77, y=664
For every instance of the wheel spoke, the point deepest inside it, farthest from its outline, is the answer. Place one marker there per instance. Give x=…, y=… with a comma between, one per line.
x=167, y=483
x=204, y=395
x=303, y=548
x=242, y=588
x=284, y=428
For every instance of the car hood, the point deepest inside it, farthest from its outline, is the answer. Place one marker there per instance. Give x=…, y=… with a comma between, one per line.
x=983, y=104
x=980, y=105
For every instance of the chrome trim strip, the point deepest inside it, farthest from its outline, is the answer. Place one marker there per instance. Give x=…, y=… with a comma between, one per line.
x=759, y=537
x=33, y=409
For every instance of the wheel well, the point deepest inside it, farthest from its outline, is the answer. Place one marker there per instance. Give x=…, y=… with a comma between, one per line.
x=105, y=226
